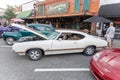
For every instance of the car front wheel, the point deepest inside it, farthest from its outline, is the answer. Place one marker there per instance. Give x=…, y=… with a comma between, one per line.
x=89, y=51
x=9, y=40
x=35, y=54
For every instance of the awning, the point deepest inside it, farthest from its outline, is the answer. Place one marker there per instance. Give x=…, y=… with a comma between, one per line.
x=97, y=19
x=17, y=20
x=24, y=14
x=110, y=10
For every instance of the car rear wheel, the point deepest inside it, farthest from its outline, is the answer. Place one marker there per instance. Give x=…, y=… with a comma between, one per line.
x=89, y=51
x=9, y=40
x=35, y=54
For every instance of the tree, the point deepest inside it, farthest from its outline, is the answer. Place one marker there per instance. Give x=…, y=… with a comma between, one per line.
x=9, y=13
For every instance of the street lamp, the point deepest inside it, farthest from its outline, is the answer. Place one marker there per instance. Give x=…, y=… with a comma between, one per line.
x=34, y=5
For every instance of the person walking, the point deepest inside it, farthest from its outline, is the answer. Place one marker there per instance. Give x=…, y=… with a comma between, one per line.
x=110, y=35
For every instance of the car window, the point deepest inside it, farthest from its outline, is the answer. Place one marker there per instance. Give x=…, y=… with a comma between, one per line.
x=47, y=28
x=30, y=26
x=41, y=28
x=33, y=27
x=53, y=35
x=71, y=36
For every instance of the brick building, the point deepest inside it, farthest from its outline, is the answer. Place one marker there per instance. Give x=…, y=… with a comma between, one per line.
x=67, y=14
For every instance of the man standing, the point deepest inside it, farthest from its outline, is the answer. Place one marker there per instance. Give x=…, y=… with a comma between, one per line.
x=110, y=35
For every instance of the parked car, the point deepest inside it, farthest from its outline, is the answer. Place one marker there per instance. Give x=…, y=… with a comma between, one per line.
x=10, y=37
x=59, y=42
x=105, y=65
x=8, y=29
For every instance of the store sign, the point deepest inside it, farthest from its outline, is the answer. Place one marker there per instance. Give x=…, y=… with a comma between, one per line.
x=58, y=8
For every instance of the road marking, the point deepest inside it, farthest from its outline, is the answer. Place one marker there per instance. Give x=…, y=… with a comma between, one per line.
x=61, y=69
x=6, y=46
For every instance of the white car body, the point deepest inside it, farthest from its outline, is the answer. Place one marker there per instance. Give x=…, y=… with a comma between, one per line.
x=58, y=46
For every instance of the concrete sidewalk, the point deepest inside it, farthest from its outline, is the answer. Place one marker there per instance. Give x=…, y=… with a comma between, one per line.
x=116, y=43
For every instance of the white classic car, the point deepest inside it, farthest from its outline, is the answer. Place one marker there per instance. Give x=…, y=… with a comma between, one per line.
x=59, y=42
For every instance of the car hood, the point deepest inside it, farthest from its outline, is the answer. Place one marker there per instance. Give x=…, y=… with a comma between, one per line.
x=30, y=30
x=111, y=60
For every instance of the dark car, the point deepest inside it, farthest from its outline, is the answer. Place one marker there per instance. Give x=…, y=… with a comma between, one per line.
x=105, y=65
x=10, y=37
x=8, y=29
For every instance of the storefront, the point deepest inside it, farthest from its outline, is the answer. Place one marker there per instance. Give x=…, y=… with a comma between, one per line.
x=112, y=12
x=68, y=14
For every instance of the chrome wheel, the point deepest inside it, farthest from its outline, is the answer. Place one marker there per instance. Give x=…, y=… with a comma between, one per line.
x=35, y=54
x=89, y=51
x=9, y=40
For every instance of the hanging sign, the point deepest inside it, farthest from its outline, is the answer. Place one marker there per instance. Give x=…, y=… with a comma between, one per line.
x=58, y=8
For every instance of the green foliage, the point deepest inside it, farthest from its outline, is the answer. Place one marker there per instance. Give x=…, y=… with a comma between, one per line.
x=9, y=13
x=1, y=17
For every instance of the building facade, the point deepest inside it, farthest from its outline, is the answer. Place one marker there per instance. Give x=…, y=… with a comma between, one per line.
x=110, y=9
x=68, y=14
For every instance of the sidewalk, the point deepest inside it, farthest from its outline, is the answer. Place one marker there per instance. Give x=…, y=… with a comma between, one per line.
x=116, y=43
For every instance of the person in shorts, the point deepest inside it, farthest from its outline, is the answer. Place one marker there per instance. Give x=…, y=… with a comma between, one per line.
x=110, y=35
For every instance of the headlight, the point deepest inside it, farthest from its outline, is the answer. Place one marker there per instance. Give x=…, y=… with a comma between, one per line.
x=97, y=56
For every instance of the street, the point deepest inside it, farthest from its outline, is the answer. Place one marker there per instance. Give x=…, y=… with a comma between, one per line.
x=68, y=17
x=53, y=67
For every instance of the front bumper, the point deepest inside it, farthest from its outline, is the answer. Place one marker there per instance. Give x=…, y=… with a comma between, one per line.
x=97, y=72
x=18, y=53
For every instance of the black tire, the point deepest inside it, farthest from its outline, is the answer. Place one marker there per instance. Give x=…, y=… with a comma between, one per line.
x=9, y=40
x=89, y=51
x=34, y=54
x=0, y=35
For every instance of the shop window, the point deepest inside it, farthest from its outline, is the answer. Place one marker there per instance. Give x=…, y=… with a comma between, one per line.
x=41, y=10
x=77, y=5
x=86, y=5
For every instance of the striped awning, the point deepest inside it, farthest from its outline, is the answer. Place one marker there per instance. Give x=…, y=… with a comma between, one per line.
x=24, y=14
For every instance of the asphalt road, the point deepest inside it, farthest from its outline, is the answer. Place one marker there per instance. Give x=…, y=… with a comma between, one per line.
x=59, y=67
x=67, y=67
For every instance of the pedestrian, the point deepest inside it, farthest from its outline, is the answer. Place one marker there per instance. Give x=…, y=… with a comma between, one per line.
x=110, y=35
x=98, y=31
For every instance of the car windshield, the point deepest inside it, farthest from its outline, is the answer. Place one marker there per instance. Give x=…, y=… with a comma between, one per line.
x=40, y=28
x=43, y=28
x=53, y=35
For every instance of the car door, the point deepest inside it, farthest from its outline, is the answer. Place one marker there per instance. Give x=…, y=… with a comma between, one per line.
x=67, y=45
